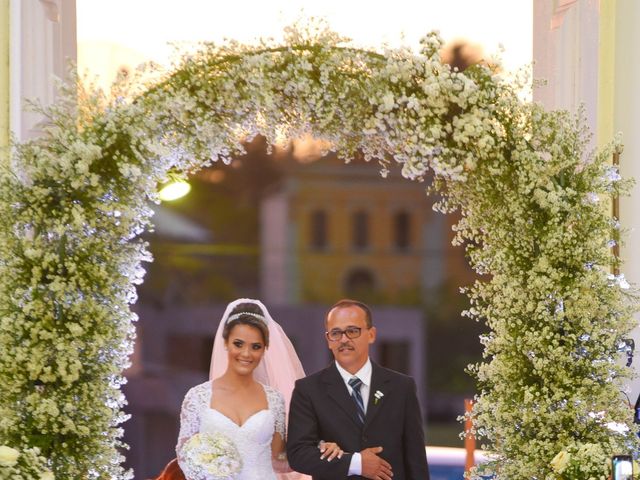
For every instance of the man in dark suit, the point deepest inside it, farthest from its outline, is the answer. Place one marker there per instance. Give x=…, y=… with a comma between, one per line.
x=371, y=412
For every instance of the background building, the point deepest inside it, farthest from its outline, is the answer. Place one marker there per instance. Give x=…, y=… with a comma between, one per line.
x=330, y=231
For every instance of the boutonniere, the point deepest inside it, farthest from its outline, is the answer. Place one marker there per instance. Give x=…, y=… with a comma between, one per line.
x=377, y=397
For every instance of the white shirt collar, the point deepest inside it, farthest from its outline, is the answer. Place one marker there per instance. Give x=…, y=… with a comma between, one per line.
x=364, y=374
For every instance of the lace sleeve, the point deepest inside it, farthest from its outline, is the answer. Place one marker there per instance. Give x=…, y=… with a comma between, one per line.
x=276, y=405
x=192, y=405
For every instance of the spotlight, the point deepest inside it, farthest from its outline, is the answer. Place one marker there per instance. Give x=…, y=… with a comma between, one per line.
x=173, y=190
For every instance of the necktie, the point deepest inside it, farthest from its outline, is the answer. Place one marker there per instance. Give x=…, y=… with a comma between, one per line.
x=355, y=383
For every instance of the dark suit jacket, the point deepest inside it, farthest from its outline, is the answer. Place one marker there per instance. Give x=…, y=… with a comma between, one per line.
x=321, y=409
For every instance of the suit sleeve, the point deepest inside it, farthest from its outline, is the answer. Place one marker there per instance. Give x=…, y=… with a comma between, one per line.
x=414, y=454
x=302, y=441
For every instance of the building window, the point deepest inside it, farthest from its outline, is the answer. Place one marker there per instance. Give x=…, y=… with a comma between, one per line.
x=360, y=230
x=395, y=355
x=319, y=230
x=360, y=283
x=401, y=231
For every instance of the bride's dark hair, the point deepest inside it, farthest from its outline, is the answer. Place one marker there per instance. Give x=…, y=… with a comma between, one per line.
x=245, y=314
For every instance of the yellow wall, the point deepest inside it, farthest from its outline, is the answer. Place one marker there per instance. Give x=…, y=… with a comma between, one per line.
x=4, y=78
x=606, y=62
x=323, y=274
x=398, y=275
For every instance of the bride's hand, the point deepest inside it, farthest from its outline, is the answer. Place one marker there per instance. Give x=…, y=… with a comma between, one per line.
x=329, y=450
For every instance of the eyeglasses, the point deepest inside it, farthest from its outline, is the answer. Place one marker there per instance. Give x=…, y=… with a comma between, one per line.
x=335, y=335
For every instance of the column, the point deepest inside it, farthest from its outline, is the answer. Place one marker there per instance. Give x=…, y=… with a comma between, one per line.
x=43, y=41
x=565, y=42
x=626, y=119
x=4, y=79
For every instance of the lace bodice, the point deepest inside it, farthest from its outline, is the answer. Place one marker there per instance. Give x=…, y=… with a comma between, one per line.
x=252, y=438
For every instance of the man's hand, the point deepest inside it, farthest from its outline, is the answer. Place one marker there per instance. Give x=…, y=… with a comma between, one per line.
x=373, y=466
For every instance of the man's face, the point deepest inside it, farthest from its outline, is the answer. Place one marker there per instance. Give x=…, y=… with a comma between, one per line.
x=350, y=353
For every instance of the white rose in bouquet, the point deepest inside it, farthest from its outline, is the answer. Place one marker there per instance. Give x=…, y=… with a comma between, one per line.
x=211, y=456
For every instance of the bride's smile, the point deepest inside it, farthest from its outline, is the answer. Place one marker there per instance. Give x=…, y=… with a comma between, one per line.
x=246, y=348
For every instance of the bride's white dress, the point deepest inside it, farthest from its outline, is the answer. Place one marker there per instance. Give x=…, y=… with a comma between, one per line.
x=252, y=438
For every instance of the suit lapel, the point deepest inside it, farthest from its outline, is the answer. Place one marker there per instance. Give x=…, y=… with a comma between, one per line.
x=379, y=383
x=337, y=390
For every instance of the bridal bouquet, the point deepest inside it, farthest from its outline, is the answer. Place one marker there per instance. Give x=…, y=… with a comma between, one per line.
x=212, y=456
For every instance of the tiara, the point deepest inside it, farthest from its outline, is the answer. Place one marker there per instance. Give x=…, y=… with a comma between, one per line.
x=251, y=314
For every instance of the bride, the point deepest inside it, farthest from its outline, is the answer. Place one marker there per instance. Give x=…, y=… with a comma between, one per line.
x=253, y=371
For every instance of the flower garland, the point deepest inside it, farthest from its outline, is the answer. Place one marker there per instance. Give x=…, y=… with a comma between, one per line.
x=73, y=204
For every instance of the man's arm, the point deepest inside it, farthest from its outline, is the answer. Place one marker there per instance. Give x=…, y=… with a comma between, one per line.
x=302, y=441
x=414, y=454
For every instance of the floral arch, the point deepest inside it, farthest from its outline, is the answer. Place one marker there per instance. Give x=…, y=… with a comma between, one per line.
x=73, y=204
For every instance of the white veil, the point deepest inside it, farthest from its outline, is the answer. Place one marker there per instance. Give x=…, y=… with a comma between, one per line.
x=279, y=368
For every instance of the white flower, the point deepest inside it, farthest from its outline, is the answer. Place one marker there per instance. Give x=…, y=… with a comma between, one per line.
x=413, y=103
x=593, y=197
x=560, y=461
x=47, y=475
x=620, y=280
x=388, y=102
x=617, y=427
x=612, y=174
x=8, y=456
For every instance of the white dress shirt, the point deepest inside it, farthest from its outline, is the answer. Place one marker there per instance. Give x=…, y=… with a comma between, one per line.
x=364, y=374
